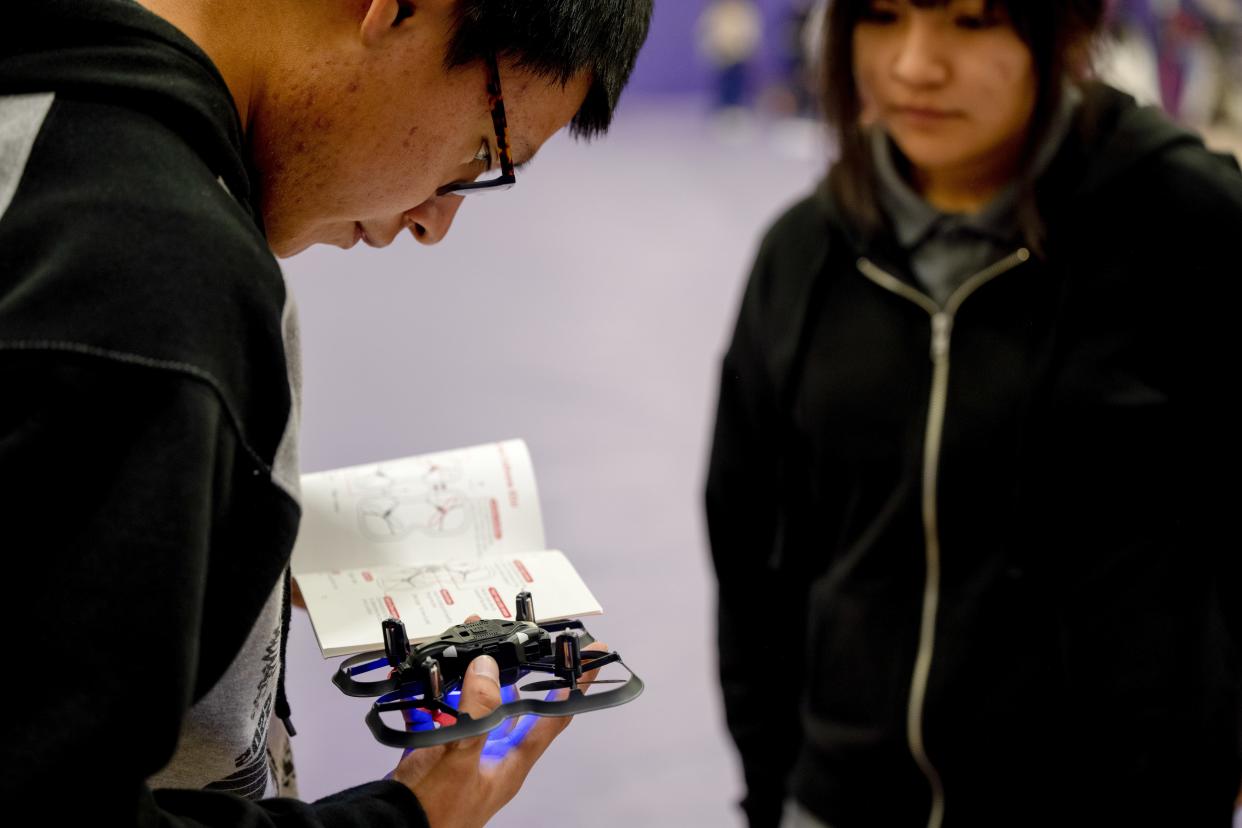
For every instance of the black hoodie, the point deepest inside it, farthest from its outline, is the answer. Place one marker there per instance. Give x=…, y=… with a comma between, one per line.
x=148, y=477
x=977, y=562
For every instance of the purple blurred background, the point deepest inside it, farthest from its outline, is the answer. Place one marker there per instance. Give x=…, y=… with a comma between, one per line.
x=670, y=64
x=1190, y=43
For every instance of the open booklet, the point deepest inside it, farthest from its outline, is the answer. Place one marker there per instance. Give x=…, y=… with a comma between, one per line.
x=430, y=540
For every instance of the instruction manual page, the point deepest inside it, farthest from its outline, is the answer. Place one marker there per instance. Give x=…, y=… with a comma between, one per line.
x=430, y=540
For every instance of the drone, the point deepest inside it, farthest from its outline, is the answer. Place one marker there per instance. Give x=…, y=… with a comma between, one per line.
x=423, y=682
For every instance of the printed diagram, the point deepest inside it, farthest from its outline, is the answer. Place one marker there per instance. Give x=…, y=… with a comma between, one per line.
x=390, y=517
x=399, y=499
x=405, y=478
x=376, y=480
x=459, y=574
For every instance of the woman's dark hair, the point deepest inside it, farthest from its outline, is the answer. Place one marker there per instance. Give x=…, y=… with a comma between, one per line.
x=557, y=39
x=1058, y=33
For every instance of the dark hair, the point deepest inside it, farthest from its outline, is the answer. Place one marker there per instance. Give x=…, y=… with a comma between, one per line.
x=557, y=39
x=1058, y=33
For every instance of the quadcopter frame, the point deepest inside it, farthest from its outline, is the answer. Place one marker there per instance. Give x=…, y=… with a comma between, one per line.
x=421, y=677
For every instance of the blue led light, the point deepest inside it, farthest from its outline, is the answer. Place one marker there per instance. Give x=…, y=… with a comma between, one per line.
x=370, y=665
x=498, y=743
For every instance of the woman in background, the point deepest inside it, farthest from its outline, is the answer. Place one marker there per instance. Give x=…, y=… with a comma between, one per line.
x=973, y=473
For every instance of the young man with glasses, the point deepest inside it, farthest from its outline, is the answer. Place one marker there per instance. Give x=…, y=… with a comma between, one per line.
x=155, y=157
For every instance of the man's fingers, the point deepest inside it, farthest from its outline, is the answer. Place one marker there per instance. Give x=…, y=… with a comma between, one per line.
x=547, y=729
x=505, y=728
x=590, y=675
x=415, y=764
x=480, y=687
x=480, y=695
x=522, y=757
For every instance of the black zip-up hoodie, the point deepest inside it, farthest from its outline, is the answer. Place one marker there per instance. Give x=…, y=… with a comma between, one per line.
x=148, y=478
x=977, y=562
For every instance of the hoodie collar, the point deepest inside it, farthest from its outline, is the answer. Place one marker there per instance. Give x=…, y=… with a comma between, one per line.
x=117, y=52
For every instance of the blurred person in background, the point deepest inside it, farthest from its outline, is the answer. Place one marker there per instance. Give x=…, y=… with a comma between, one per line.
x=972, y=480
x=796, y=67
x=1187, y=61
x=1129, y=59
x=1225, y=27
x=1182, y=54
x=792, y=92
x=729, y=33
x=155, y=158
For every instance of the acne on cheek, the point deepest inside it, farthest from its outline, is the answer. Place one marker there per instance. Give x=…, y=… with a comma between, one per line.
x=1010, y=76
x=1006, y=70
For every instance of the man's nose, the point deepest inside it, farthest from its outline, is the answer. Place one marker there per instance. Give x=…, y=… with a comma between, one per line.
x=921, y=58
x=431, y=220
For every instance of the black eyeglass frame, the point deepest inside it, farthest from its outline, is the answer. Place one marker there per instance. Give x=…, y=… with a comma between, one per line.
x=500, y=124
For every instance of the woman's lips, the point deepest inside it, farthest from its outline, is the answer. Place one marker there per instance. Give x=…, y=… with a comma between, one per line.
x=923, y=116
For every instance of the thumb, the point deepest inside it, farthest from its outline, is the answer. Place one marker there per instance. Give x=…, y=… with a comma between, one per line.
x=480, y=695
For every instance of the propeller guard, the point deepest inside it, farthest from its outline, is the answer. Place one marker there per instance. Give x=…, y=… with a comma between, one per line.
x=422, y=677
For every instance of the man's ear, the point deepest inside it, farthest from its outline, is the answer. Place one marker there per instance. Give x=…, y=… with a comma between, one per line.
x=381, y=17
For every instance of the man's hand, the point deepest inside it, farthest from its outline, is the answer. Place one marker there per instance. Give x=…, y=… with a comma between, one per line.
x=457, y=787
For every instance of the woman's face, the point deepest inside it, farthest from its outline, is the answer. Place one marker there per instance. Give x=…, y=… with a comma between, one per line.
x=953, y=85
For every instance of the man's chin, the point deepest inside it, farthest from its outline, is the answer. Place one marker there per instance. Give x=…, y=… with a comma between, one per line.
x=285, y=240
x=283, y=247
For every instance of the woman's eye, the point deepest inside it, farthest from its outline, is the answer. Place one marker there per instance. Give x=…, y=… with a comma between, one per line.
x=874, y=14
x=975, y=22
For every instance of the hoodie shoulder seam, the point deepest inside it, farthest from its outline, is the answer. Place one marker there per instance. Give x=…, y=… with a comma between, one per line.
x=172, y=366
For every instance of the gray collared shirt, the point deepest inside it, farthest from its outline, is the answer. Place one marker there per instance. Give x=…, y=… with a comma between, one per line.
x=946, y=249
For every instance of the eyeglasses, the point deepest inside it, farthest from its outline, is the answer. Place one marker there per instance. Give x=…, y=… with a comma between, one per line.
x=506, y=179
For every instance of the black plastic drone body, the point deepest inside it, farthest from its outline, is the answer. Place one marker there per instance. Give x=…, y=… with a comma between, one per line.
x=422, y=680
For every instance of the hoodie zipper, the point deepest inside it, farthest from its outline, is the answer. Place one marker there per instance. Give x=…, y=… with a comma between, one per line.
x=941, y=334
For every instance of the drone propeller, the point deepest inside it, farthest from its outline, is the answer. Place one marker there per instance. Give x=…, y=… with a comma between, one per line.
x=562, y=684
x=406, y=703
x=569, y=662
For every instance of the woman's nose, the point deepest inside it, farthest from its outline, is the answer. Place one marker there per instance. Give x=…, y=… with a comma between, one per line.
x=920, y=59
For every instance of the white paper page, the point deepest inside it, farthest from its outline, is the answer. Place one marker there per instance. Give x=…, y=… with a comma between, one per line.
x=452, y=505
x=347, y=608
